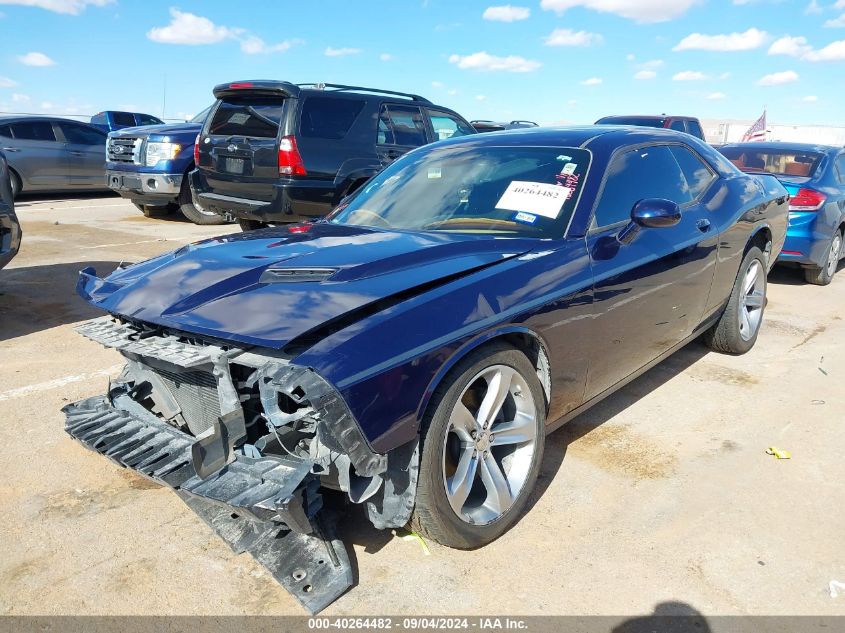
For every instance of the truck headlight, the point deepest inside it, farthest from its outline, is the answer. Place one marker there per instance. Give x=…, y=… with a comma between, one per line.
x=160, y=151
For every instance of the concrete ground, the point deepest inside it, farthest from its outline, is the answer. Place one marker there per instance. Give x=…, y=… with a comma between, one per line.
x=662, y=493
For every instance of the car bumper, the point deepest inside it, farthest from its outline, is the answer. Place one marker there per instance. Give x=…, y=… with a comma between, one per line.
x=807, y=240
x=146, y=188
x=291, y=202
x=10, y=238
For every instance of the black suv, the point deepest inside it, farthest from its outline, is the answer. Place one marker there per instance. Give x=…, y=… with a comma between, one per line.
x=276, y=152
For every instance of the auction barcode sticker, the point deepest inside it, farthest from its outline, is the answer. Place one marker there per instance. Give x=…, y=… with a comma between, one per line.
x=534, y=197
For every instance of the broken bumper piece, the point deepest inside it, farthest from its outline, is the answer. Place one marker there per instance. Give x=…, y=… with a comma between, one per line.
x=267, y=506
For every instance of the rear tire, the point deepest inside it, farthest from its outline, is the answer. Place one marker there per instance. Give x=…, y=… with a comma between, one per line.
x=16, y=183
x=251, y=225
x=822, y=276
x=196, y=214
x=738, y=327
x=477, y=471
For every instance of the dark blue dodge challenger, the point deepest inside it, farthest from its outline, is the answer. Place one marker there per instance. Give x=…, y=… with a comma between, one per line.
x=411, y=351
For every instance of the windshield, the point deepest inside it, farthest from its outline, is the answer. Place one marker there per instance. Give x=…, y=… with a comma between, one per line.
x=200, y=118
x=530, y=191
x=773, y=161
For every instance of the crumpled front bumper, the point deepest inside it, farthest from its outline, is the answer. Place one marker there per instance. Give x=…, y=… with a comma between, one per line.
x=267, y=506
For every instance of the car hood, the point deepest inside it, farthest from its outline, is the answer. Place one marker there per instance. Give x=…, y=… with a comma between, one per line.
x=166, y=129
x=272, y=286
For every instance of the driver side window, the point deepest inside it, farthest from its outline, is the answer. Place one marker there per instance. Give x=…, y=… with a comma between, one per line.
x=647, y=172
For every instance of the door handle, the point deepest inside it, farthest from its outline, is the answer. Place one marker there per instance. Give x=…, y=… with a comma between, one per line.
x=76, y=154
x=11, y=149
x=703, y=225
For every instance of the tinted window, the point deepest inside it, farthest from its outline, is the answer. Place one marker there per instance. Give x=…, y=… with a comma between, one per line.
x=631, y=120
x=678, y=125
x=5, y=131
x=324, y=117
x=123, y=118
x=840, y=165
x=34, y=131
x=82, y=135
x=695, y=129
x=401, y=125
x=650, y=172
x=696, y=173
x=146, y=119
x=446, y=126
x=773, y=161
x=248, y=116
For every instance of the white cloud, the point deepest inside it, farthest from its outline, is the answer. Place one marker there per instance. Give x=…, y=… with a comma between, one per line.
x=340, y=52
x=645, y=74
x=630, y=57
x=453, y=92
x=568, y=37
x=778, y=79
x=750, y=39
x=717, y=96
x=480, y=97
x=833, y=52
x=5, y=82
x=385, y=57
x=640, y=11
x=840, y=4
x=437, y=84
x=652, y=64
x=810, y=98
x=813, y=8
x=506, y=13
x=792, y=46
x=35, y=59
x=20, y=98
x=483, y=61
x=689, y=75
x=836, y=23
x=724, y=75
x=592, y=81
x=190, y=29
x=254, y=45
x=71, y=7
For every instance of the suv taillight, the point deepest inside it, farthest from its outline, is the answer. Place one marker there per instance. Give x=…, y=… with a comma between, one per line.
x=807, y=200
x=290, y=162
x=197, y=151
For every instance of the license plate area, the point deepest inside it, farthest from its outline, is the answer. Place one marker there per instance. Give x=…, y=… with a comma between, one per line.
x=234, y=165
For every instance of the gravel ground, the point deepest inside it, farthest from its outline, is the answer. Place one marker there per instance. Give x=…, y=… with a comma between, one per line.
x=662, y=493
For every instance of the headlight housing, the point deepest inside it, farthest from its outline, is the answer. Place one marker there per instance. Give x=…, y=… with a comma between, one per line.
x=155, y=152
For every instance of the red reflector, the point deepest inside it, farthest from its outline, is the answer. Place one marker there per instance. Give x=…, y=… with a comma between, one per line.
x=807, y=200
x=241, y=84
x=290, y=161
x=791, y=253
x=197, y=151
x=299, y=228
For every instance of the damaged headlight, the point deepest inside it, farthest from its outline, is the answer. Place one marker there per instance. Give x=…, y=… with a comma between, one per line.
x=155, y=152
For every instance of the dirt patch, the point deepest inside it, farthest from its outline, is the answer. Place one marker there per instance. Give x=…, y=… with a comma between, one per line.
x=138, y=482
x=819, y=329
x=619, y=450
x=724, y=375
x=76, y=503
x=784, y=327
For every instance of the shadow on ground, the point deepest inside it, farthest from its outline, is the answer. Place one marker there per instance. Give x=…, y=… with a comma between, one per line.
x=783, y=275
x=25, y=200
x=673, y=617
x=35, y=298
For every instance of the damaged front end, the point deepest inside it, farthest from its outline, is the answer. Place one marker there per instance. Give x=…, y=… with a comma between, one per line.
x=251, y=442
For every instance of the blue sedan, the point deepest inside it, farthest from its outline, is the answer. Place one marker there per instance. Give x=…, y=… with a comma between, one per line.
x=814, y=175
x=413, y=350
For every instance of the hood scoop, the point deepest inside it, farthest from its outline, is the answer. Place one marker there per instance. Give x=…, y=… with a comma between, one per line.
x=295, y=275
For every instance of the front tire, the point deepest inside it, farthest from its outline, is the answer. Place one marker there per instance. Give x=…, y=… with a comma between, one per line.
x=251, y=225
x=822, y=276
x=482, y=446
x=738, y=327
x=16, y=183
x=194, y=213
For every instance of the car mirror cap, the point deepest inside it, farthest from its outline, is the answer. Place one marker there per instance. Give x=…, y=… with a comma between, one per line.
x=655, y=213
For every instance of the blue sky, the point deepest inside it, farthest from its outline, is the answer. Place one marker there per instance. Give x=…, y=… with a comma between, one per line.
x=545, y=60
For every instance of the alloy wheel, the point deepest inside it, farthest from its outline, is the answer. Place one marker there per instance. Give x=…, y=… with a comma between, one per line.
x=490, y=443
x=753, y=300
x=833, y=256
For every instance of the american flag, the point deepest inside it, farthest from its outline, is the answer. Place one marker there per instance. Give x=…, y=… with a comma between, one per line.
x=756, y=132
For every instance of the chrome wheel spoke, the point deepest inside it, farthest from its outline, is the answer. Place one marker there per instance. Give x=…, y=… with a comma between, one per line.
x=497, y=390
x=517, y=431
x=463, y=422
x=499, y=497
x=754, y=300
x=745, y=322
x=459, y=485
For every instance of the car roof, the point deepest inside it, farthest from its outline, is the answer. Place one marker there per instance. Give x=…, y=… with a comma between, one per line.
x=653, y=117
x=791, y=147
x=13, y=118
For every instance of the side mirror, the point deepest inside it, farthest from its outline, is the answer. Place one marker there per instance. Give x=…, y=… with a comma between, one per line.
x=652, y=213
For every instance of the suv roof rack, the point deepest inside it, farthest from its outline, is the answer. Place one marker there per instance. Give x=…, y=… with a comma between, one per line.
x=344, y=88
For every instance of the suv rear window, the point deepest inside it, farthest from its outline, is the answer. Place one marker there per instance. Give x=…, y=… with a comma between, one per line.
x=124, y=118
x=772, y=161
x=324, y=117
x=248, y=116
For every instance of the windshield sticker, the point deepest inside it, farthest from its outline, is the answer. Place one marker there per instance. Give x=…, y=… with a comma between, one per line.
x=568, y=181
x=434, y=173
x=569, y=168
x=525, y=218
x=534, y=197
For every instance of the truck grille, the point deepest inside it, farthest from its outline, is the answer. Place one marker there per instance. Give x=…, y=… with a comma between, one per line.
x=196, y=394
x=125, y=149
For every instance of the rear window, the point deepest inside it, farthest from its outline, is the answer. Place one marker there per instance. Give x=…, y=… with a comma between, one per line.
x=257, y=117
x=146, y=119
x=324, y=117
x=631, y=120
x=123, y=118
x=773, y=161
